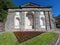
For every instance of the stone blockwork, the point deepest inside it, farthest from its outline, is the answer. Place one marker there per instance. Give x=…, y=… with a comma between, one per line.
x=2, y=26
x=53, y=27
x=10, y=21
x=22, y=21
x=49, y=24
x=47, y=21
x=36, y=20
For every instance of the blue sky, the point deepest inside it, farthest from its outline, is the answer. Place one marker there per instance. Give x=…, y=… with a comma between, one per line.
x=54, y=3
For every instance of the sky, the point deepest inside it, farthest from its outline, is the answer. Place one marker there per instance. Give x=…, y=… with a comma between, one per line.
x=54, y=3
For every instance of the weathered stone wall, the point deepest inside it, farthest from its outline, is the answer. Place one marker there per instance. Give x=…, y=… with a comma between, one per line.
x=53, y=27
x=9, y=25
x=47, y=21
x=11, y=13
x=36, y=20
x=2, y=27
x=22, y=20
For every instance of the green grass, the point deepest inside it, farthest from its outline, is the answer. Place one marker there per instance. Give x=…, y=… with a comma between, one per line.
x=8, y=38
x=43, y=39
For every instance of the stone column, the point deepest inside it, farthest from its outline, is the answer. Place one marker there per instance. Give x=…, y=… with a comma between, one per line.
x=22, y=21
x=52, y=21
x=47, y=20
x=9, y=25
x=36, y=20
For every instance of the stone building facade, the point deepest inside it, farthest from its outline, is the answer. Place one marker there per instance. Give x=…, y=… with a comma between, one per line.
x=29, y=17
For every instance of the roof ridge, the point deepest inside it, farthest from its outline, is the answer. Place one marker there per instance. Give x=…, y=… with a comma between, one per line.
x=30, y=4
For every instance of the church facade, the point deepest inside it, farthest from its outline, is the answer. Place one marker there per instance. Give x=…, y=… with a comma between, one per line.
x=30, y=17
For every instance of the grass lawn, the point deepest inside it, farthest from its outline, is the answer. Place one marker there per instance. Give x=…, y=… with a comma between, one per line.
x=9, y=38
x=43, y=39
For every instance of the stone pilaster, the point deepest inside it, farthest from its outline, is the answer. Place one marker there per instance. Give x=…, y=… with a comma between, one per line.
x=47, y=20
x=36, y=20
x=42, y=18
x=9, y=25
x=22, y=21
x=52, y=21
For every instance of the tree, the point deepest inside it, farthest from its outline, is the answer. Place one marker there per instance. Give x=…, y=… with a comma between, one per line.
x=4, y=5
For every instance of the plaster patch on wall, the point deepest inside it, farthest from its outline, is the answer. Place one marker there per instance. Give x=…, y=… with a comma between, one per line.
x=16, y=20
x=42, y=20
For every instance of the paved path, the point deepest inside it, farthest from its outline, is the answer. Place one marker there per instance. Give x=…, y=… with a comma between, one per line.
x=59, y=42
x=58, y=31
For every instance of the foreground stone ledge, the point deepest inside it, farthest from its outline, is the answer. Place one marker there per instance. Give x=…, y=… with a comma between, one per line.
x=56, y=40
